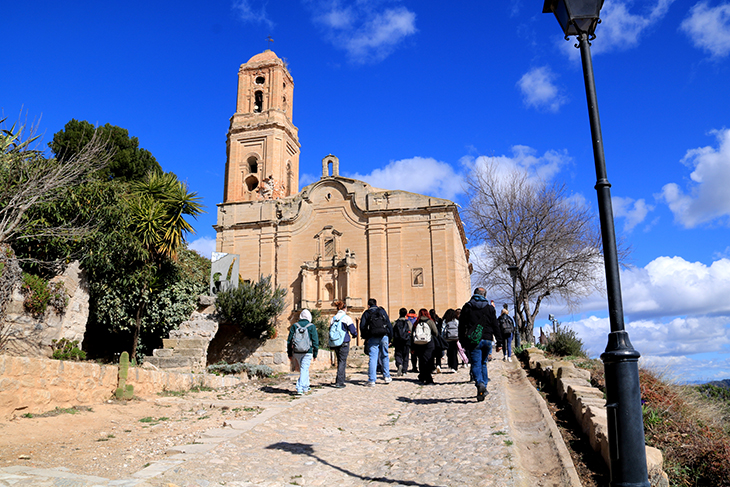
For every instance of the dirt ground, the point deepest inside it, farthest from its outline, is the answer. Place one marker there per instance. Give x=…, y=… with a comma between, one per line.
x=115, y=439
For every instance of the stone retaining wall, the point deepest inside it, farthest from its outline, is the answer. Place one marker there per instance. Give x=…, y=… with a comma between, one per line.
x=37, y=385
x=589, y=407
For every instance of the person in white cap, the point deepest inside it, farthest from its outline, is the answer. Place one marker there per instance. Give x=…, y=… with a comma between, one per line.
x=302, y=346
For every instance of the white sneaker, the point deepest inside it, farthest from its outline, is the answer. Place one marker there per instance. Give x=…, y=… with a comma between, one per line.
x=509, y=359
x=388, y=380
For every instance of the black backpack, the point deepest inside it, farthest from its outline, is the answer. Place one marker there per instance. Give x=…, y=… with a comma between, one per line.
x=377, y=324
x=402, y=330
x=506, y=324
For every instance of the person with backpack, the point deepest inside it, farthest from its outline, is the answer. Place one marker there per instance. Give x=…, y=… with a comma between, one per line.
x=341, y=328
x=302, y=346
x=438, y=353
x=423, y=332
x=413, y=317
x=377, y=331
x=506, y=326
x=402, y=330
x=450, y=333
x=478, y=331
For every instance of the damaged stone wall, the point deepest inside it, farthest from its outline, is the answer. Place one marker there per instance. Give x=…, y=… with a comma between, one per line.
x=31, y=336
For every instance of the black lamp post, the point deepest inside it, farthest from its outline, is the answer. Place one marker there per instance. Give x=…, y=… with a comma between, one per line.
x=620, y=360
x=513, y=269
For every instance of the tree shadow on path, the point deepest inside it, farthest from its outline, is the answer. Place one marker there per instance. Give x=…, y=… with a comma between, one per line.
x=308, y=450
x=436, y=400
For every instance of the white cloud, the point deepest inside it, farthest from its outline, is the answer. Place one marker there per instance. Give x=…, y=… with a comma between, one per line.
x=252, y=11
x=620, y=29
x=709, y=28
x=306, y=179
x=423, y=175
x=666, y=344
x=682, y=301
x=524, y=159
x=708, y=198
x=633, y=211
x=366, y=33
x=205, y=246
x=539, y=90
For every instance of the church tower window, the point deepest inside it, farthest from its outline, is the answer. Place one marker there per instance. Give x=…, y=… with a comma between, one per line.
x=260, y=80
x=258, y=101
x=253, y=165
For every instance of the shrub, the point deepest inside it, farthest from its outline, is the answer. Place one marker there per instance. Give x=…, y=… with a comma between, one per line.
x=564, y=342
x=39, y=294
x=252, y=306
x=65, y=349
x=323, y=329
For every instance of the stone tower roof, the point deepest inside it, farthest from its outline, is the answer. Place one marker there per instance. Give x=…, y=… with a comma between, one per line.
x=267, y=55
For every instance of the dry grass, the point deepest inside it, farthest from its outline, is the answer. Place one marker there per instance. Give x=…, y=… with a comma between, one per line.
x=691, y=430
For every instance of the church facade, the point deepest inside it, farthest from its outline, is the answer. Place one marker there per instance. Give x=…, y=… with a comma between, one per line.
x=338, y=238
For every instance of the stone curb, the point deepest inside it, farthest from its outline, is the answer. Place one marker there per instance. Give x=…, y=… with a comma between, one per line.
x=571, y=478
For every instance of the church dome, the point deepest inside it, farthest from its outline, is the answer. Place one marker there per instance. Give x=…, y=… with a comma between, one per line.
x=267, y=55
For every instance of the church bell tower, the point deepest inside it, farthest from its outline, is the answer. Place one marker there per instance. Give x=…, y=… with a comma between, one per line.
x=263, y=145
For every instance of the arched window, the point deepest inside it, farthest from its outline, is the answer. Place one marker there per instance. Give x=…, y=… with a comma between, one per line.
x=253, y=164
x=258, y=102
x=289, y=178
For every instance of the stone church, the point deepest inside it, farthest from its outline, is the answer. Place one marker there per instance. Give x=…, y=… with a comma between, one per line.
x=338, y=238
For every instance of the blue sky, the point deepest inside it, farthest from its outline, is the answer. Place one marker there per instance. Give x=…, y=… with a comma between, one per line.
x=408, y=94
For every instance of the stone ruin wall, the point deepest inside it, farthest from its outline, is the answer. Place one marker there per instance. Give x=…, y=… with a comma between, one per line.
x=31, y=336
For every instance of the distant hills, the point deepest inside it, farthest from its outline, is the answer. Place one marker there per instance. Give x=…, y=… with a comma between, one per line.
x=721, y=383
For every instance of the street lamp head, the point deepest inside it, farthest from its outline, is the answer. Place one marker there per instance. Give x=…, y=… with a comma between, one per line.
x=513, y=269
x=575, y=16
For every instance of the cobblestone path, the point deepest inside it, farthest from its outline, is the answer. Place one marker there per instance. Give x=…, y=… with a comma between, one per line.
x=397, y=434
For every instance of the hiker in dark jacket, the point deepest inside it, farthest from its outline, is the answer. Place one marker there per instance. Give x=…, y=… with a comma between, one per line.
x=438, y=353
x=506, y=326
x=303, y=359
x=478, y=332
x=377, y=331
x=451, y=325
x=424, y=351
x=402, y=329
x=412, y=317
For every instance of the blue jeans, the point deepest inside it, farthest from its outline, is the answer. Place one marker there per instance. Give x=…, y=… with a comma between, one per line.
x=377, y=348
x=508, y=346
x=479, y=361
x=303, y=359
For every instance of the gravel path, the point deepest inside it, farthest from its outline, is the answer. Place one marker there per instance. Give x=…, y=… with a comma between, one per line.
x=398, y=434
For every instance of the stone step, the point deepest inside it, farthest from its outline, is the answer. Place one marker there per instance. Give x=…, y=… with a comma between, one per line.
x=170, y=362
x=179, y=343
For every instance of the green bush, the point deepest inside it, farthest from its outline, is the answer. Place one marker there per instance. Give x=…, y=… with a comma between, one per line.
x=39, y=294
x=564, y=342
x=252, y=307
x=65, y=349
x=323, y=329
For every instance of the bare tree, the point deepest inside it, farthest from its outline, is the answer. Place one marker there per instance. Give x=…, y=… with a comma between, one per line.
x=553, y=240
x=27, y=180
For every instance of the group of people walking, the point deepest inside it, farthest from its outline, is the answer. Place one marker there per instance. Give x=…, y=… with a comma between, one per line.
x=465, y=335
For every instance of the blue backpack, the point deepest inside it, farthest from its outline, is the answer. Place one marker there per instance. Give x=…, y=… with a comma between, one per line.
x=337, y=334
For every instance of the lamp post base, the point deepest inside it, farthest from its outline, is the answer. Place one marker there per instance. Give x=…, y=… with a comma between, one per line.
x=623, y=404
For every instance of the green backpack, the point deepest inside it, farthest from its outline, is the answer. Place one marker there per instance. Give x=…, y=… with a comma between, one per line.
x=475, y=336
